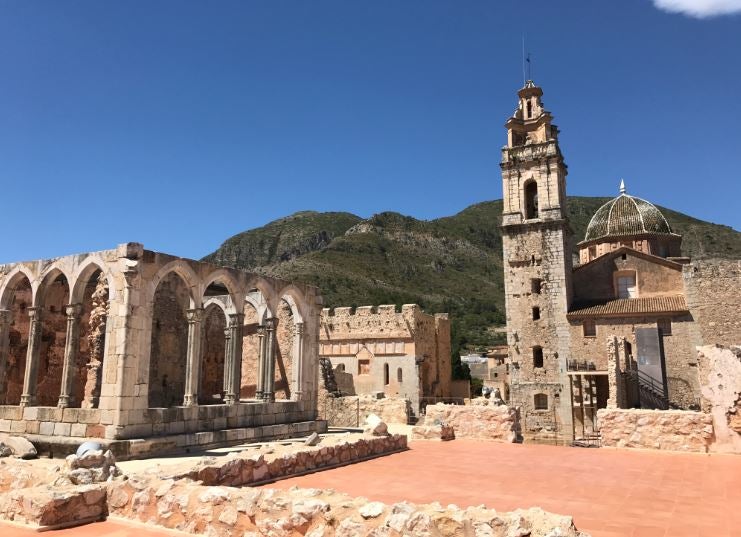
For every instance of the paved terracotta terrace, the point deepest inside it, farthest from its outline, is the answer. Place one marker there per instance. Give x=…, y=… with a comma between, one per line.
x=610, y=493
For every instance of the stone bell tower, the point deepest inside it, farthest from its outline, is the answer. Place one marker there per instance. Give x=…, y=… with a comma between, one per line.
x=537, y=266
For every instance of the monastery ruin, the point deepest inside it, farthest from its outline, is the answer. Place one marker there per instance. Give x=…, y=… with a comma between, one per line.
x=132, y=344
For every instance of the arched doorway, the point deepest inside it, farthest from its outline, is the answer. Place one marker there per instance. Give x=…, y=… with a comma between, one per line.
x=54, y=297
x=169, y=348
x=18, y=299
x=213, y=344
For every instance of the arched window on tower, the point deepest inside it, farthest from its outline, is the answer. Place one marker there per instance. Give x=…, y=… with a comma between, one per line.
x=537, y=356
x=529, y=110
x=385, y=374
x=531, y=200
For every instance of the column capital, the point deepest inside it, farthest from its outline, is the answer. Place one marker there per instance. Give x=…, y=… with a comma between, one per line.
x=299, y=328
x=270, y=323
x=236, y=319
x=73, y=311
x=34, y=313
x=5, y=316
x=260, y=331
x=194, y=315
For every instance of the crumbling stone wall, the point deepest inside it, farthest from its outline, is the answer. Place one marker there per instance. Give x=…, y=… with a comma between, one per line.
x=93, y=319
x=212, y=365
x=285, y=334
x=672, y=430
x=53, y=338
x=481, y=421
x=720, y=376
x=226, y=511
x=250, y=350
x=169, y=343
x=18, y=343
x=351, y=411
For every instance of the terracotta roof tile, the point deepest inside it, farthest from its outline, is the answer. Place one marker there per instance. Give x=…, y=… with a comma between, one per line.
x=629, y=306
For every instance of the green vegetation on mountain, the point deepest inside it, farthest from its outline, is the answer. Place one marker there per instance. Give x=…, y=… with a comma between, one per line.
x=451, y=264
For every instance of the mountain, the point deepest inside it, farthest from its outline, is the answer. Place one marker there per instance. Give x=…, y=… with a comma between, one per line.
x=451, y=264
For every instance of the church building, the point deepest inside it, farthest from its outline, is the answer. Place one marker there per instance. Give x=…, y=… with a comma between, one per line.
x=612, y=321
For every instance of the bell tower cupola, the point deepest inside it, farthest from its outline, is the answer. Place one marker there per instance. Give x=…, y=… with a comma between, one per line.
x=533, y=170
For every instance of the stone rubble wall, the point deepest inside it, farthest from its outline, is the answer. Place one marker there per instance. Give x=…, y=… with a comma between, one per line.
x=250, y=467
x=351, y=411
x=720, y=378
x=250, y=512
x=671, y=430
x=49, y=507
x=433, y=432
x=484, y=422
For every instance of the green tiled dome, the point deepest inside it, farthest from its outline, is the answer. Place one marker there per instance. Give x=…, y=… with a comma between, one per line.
x=626, y=215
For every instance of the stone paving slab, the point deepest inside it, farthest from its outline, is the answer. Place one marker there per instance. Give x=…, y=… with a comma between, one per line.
x=610, y=493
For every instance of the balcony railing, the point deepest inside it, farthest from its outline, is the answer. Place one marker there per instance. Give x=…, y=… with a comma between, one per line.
x=580, y=365
x=529, y=152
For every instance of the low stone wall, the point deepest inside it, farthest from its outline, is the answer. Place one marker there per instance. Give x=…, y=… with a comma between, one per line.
x=152, y=422
x=50, y=507
x=433, y=432
x=672, y=430
x=250, y=467
x=485, y=422
x=351, y=411
x=225, y=511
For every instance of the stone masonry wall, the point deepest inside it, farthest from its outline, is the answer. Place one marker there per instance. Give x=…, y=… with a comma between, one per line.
x=713, y=295
x=351, y=411
x=671, y=430
x=720, y=377
x=225, y=511
x=485, y=422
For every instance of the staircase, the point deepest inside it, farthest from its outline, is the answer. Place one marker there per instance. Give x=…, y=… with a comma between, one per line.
x=651, y=392
x=330, y=383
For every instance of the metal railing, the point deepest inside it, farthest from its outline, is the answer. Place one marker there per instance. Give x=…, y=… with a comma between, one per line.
x=580, y=365
x=650, y=390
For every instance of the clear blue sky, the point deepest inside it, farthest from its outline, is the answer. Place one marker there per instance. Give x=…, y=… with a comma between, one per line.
x=178, y=124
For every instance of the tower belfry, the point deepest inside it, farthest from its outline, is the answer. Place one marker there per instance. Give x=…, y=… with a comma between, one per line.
x=537, y=263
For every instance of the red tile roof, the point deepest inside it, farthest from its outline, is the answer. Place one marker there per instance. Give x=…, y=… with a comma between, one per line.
x=630, y=306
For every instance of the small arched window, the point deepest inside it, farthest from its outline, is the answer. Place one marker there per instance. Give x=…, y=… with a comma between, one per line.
x=399, y=376
x=529, y=109
x=531, y=200
x=537, y=356
x=540, y=401
x=385, y=374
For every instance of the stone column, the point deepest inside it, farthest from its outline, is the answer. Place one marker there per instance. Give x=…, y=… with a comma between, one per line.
x=30, y=379
x=234, y=362
x=299, y=361
x=6, y=317
x=228, y=369
x=269, y=382
x=193, y=360
x=71, y=349
x=261, y=347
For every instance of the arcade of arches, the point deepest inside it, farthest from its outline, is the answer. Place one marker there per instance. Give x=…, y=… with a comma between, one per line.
x=115, y=339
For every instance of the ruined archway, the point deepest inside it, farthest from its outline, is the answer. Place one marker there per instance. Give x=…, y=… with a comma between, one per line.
x=213, y=345
x=285, y=334
x=169, y=347
x=52, y=301
x=87, y=373
x=255, y=311
x=18, y=298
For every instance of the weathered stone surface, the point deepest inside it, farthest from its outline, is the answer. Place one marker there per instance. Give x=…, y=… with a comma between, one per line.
x=720, y=381
x=375, y=426
x=433, y=432
x=672, y=430
x=279, y=461
x=19, y=446
x=483, y=421
x=91, y=467
x=315, y=513
x=312, y=440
